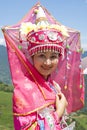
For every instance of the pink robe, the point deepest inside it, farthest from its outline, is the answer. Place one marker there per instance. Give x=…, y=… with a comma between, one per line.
x=28, y=122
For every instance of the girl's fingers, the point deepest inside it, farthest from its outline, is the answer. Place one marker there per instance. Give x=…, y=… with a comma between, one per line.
x=57, y=101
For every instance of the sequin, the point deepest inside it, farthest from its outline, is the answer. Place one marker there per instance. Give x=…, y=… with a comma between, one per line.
x=33, y=39
x=52, y=35
x=41, y=37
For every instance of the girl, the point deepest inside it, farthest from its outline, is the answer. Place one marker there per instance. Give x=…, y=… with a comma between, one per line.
x=45, y=103
x=44, y=117
x=38, y=103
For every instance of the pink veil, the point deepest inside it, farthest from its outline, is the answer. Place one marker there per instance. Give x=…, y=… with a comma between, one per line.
x=69, y=74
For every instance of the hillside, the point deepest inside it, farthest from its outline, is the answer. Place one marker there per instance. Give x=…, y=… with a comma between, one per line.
x=84, y=62
x=84, y=54
x=4, y=66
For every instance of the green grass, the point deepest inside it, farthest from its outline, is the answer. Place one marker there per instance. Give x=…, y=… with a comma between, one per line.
x=6, y=118
x=81, y=121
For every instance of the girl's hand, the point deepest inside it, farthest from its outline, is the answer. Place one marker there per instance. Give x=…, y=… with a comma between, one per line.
x=61, y=104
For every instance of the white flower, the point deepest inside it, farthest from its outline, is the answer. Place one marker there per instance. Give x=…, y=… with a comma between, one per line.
x=64, y=31
x=25, y=28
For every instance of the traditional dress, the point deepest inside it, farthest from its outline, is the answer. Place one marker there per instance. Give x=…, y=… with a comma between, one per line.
x=33, y=96
x=43, y=116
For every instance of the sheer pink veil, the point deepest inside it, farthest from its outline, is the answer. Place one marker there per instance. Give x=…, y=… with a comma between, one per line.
x=68, y=75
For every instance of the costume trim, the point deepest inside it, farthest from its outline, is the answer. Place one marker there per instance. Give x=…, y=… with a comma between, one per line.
x=24, y=114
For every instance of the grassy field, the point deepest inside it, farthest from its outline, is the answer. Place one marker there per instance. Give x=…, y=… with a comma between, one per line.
x=81, y=121
x=6, y=120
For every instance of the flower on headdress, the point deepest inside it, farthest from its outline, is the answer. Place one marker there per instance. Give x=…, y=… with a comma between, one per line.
x=64, y=31
x=55, y=26
x=36, y=11
x=25, y=28
x=61, y=29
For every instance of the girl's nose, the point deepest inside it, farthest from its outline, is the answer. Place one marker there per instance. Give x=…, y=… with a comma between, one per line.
x=47, y=62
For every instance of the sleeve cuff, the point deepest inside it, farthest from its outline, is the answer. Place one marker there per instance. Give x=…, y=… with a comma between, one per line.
x=56, y=118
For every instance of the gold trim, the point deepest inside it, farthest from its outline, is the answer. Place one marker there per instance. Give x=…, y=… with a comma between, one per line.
x=24, y=114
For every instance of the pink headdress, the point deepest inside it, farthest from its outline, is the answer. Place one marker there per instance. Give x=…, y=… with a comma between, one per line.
x=43, y=36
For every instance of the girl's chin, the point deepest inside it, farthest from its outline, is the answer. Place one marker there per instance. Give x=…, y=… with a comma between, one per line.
x=45, y=76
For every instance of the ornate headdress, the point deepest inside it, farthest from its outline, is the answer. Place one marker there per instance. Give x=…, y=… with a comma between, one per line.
x=42, y=35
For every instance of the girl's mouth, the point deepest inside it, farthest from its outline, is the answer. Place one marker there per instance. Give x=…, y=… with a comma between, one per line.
x=47, y=68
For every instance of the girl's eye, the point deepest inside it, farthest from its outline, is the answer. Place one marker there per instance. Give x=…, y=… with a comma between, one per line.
x=54, y=56
x=41, y=56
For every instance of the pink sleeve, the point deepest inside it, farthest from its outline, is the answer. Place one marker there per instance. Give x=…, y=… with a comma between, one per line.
x=20, y=122
x=57, y=121
x=56, y=118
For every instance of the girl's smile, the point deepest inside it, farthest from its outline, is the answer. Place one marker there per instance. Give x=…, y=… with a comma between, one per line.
x=45, y=62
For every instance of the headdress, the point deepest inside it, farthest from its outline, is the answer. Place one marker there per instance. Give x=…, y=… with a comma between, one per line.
x=43, y=35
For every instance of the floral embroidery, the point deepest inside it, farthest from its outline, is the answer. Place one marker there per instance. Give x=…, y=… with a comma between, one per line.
x=46, y=113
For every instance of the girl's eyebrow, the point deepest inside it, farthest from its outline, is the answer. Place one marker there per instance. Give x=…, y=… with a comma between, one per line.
x=40, y=53
x=55, y=53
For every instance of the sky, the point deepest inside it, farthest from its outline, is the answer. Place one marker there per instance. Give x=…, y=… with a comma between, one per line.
x=71, y=13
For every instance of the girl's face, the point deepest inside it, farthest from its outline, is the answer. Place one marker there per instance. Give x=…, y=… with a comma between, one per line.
x=45, y=62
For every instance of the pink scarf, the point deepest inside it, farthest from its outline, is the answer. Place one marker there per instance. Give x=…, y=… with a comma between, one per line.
x=31, y=91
